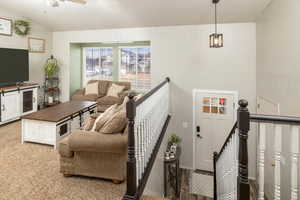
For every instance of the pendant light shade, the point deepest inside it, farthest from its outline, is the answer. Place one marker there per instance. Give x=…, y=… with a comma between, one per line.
x=216, y=39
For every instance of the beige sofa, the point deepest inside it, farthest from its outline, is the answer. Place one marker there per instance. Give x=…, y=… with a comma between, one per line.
x=94, y=154
x=103, y=101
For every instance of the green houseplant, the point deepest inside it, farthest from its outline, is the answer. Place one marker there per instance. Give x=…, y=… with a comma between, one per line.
x=174, y=139
x=51, y=68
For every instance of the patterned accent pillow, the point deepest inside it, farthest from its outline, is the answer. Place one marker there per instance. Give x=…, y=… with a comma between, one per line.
x=88, y=125
x=114, y=90
x=92, y=88
x=101, y=120
x=116, y=124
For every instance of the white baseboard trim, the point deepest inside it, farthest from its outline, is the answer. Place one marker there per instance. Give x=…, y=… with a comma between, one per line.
x=186, y=167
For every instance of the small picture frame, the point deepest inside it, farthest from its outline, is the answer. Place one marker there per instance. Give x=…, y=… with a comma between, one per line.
x=6, y=26
x=36, y=45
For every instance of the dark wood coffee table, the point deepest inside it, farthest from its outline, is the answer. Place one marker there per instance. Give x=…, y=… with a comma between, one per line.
x=50, y=125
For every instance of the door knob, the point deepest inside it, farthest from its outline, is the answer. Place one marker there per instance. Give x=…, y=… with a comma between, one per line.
x=199, y=136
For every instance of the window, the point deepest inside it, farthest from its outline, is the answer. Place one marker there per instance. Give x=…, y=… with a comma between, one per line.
x=135, y=67
x=214, y=105
x=119, y=63
x=99, y=63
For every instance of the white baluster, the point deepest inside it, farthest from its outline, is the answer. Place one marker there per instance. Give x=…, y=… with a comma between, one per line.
x=294, y=162
x=262, y=148
x=277, y=150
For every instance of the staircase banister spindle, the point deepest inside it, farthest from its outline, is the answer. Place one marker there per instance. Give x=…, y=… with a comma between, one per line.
x=277, y=156
x=227, y=140
x=261, y=161
x=294, y=161
x=243, y=123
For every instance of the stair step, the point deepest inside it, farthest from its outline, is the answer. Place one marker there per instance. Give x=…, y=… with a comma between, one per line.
x=145, y=197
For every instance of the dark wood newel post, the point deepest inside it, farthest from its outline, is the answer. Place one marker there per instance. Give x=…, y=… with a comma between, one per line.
x=243, y=123
x=131, y=163
x=215, y=176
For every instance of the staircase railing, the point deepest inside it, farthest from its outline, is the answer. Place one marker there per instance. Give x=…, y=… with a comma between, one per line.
x=148, y=119
x=231, y=163
x=275, y=125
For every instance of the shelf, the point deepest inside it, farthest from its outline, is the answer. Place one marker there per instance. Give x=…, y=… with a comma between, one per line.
x=52, y=78
x=54, y=89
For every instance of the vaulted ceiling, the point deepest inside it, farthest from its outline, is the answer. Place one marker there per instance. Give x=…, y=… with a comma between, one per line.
x=100, y=14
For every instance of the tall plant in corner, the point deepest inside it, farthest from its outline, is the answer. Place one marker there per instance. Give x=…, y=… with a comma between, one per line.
x=51, y=67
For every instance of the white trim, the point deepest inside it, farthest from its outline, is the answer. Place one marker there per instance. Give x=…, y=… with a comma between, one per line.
x=195, y=91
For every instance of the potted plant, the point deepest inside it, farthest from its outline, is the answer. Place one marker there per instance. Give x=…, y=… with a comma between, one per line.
x=174, y=140
x=51, y=68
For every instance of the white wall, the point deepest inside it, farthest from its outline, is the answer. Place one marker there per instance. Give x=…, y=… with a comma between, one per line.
x=36, y=60
x=182, y=53
x=278, y=69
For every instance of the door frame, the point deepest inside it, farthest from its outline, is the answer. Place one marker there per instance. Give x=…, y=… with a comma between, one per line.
x=195, y=92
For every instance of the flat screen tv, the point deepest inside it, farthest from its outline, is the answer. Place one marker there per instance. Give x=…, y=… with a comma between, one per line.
x=14, y=66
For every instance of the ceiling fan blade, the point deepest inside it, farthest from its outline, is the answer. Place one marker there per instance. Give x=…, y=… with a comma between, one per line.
x=78, y=1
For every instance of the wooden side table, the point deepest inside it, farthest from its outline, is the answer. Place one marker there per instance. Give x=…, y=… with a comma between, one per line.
x=171, y=174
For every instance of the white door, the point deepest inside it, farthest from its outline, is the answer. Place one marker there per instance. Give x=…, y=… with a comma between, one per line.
x=10, y=106
x=214, y=117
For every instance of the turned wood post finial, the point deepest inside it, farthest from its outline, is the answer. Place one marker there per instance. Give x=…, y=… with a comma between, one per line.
x=243, y=103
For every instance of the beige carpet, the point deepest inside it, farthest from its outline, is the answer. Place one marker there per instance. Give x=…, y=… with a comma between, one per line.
x=31, y=172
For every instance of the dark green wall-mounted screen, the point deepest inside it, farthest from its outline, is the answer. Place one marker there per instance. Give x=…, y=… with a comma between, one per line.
x=14, y=65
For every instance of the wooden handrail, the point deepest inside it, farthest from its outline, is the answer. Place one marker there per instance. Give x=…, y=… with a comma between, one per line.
x=274, y=119
x=149, y=167
x=135, y=189
x=151, y=92
x=226, y=141
x=243, y=126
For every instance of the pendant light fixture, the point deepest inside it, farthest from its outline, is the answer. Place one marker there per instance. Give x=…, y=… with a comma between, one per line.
x=216, y=39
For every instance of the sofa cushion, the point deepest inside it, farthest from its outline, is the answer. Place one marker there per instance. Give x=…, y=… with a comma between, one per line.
x=64, y=149
x=114, y=90
x=126, y=84
x=103, y=87
x=92, y=88
x=88, y=141
x=109, y=100
x=104, y=117
x=115, y=124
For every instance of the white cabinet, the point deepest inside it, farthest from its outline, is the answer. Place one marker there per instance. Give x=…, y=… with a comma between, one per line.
x=10, y=106
x=28, y=101
x=17, y=101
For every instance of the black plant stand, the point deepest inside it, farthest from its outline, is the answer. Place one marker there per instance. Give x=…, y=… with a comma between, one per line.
x=172, y=174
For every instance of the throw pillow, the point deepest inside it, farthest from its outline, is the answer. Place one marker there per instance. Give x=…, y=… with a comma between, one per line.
x=88, y=125
x=105, y=117
x=92, y=88
x=116, y=124
x=95, y=123
x=114, y=90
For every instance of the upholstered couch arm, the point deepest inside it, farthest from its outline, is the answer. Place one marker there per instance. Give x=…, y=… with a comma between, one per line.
x=78, y=93
x=88, y=141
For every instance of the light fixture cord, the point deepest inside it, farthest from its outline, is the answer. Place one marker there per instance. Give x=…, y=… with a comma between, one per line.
x=216, y=18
